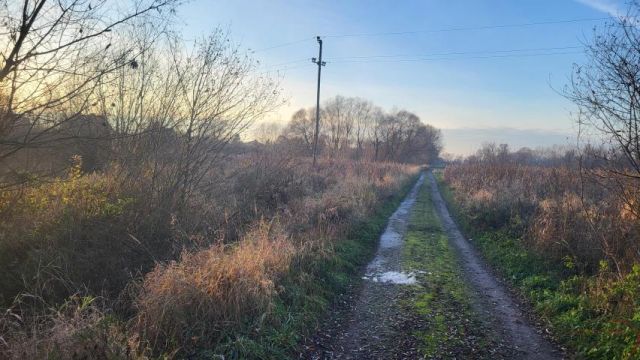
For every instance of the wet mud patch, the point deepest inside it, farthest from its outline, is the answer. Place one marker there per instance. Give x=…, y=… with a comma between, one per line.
x=392, y=277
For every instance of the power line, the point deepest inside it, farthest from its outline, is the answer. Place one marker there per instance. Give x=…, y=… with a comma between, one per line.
x=453, y=55
x=456, y=53
x=468, y=28
x=284, y=69
x=286, y=63
x=283, y=44
x=450, y=29
x=461, y=58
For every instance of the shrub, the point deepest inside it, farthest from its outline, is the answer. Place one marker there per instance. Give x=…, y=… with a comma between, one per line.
x=556, y=213
x=570, y=244
x=227, y=293
x=208, y=294
x=175, y=278
x=56, y=234
x=77, y=329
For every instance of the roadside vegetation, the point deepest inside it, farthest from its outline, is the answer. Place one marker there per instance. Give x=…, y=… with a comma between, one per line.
x=253, y=296
x=563, y=225
x=570, y=249
x=137, y=221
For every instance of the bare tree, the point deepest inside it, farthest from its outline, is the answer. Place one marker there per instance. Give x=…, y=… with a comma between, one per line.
x=215, y=98
x=376, y=131
x=55, y=55
x=336, y=124
x=267, y=132
x=363, y=112
x=607, y=92
x=347, y=121
x=354, y=127
x=301, y=127
x=392, y=130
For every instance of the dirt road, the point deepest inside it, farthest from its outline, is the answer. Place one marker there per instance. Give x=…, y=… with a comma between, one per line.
x=494, y=300
x=378, y=320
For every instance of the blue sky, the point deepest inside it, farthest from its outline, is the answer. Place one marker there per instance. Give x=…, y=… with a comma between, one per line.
x=487, y=84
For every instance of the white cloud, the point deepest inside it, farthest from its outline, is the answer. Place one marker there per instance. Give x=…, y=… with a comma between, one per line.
x=606, y=6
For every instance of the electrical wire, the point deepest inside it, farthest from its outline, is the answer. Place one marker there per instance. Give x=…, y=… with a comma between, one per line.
x=455, y=53
x=459, y=58
x=467, y=28
x=285, y=63
x=283, y=70
x=283, y=44
x=492, y=55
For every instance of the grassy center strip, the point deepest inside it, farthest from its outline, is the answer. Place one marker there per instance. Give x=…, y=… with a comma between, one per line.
x=441, y=300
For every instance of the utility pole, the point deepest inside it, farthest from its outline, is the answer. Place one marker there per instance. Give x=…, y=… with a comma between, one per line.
x=320, y=64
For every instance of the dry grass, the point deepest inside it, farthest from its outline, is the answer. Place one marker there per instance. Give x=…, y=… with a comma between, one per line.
x=568, y=239
x=210, y=268
x=77, y=329
x=193, y=301
x=563, y=214
x=46, y=235
x=209, y=294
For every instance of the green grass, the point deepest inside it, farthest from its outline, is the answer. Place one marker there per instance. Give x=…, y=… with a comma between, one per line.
x=442, y=297
x=308, y=290
x=596, y=317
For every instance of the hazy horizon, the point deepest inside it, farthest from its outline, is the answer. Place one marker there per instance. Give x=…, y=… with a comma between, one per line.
x=465, y=141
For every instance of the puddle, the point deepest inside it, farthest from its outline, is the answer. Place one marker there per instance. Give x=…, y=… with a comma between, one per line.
x=390, y=238
x=386, y=267
x=392, y=277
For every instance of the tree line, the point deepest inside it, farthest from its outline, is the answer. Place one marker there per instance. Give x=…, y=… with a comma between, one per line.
x=355, y=128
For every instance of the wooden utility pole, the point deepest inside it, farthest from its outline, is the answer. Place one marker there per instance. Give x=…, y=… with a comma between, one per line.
x=320, y=64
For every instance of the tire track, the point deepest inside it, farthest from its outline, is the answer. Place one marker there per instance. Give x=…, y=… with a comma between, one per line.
x=494, y=301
